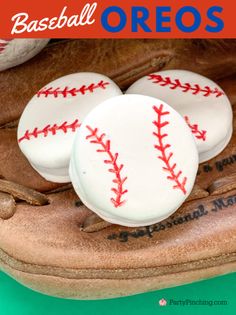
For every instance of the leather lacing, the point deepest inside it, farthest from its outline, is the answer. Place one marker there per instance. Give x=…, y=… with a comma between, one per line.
x=11, y=193
x=220, y=186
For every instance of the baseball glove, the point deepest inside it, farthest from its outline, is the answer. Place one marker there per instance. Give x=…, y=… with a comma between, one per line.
x=50, y=242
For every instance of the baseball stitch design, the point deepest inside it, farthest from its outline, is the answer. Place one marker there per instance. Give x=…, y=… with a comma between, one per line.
x=162, y=148
x=64, y=127
x=199, y=134
x=184, y=87
x=3, y=45
x=72, y=91
x=119, y=191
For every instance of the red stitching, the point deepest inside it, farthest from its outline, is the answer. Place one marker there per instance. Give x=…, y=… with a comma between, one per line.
x=166, y=157
x=199, y=134
x=185, y=87
x=3, y=47
x=71, y=91
x=50, y=129
x=4, y=44
x=116, y=169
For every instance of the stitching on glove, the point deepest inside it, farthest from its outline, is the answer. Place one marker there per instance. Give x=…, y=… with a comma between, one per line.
x=162, y=148
x=65, y=92
x=199, y=134
x=185, y=87
x=64, y=127
x=119, y=191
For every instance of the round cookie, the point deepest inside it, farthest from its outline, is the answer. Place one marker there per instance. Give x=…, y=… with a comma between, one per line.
x=50, y=120
x=134, y=160
x=18, y=50
x=204, y=106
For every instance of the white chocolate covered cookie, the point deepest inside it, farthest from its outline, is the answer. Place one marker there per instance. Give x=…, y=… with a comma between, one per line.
x=50, y=120
x=204, y=106
x=18, y=50
x=134, y=160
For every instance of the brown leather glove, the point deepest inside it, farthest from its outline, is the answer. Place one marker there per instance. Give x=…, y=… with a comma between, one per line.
x=52, y=243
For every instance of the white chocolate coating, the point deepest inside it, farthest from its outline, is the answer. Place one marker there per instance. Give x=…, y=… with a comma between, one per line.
x=50, y=120
x=18, y=50
x=199, y=100
x=134, y=160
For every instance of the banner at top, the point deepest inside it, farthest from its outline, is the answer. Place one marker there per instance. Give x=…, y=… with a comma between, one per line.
x=117, y=19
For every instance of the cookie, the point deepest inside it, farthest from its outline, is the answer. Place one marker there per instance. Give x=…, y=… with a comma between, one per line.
x=18, y=50
x=50, y=120
x=134, y=160
x=203, y=104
